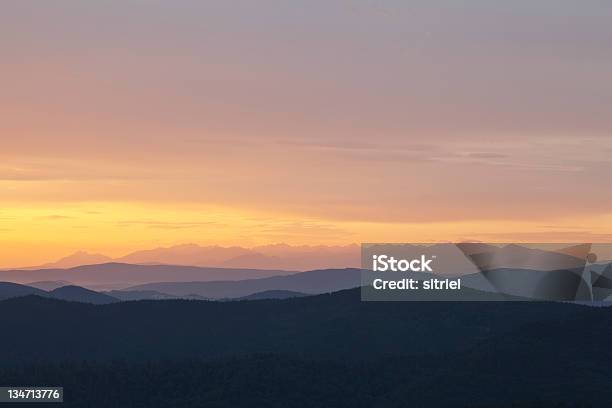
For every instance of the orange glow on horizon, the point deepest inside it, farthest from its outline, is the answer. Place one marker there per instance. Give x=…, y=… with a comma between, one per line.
x=36, y=234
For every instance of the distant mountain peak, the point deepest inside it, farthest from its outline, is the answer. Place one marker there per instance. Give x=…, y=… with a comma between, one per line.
x=280, y=256
x=77, y=258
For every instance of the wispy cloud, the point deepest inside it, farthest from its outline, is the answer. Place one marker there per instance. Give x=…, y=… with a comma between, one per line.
x=328, y=145
x=552, y=236
x=168, y=224
x=301, y=228
x=487, y=155
x=48, y=169
x=55, y=217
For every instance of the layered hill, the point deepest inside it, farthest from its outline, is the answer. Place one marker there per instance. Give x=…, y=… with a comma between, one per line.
x=117, y=275
x=326, y=350
x=9, y=290
x=339, y=325
x=311, y=282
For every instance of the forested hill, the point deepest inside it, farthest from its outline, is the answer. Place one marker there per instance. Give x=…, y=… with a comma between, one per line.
x=325, y=326
x=321, y=351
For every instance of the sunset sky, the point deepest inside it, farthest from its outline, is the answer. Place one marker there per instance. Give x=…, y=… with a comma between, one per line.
x=127, y=125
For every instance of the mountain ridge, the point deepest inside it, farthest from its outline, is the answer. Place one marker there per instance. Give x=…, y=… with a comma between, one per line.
x=309, y=282
x=10, y=290
x=275, y=256
x=114, y=275
x=333, y=325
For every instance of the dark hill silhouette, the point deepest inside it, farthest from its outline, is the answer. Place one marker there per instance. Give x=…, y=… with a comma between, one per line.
x=71, y=293
x=78, y=294
x=325, y=350
x=325, y=326
x=273, y=294
x=127, y=295
x=281, y=381
x=11, y=290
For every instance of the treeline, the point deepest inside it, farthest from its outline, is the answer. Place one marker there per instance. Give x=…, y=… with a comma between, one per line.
x=321, y=351
x=286, y=382
x=333, y=326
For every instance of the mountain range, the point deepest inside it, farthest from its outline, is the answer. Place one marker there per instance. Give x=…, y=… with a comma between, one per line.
x=275, y=347
x=331, y=325
x=162, y=281
x=281, y=286
x=277, y=256
x=71, y=293
x=111, y=276
x=329, y=350
x=311, y=282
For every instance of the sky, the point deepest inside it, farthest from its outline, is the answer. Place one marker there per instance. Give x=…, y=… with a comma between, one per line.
x=128, y=124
